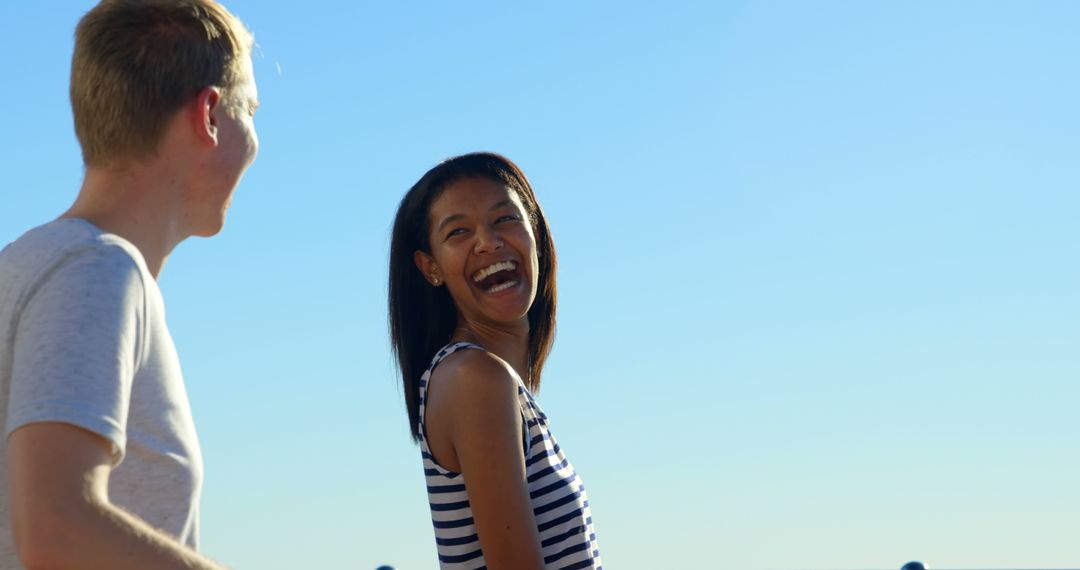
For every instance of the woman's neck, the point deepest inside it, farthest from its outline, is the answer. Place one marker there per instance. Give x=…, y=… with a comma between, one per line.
x=510, y=344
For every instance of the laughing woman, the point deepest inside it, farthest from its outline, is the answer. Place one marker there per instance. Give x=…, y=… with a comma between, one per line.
x=472, y=319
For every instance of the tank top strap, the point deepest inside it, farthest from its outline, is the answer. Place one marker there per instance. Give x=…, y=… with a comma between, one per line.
x=426, y=377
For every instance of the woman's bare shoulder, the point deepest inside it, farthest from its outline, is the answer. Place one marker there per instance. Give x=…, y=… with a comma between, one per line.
x=474, y=373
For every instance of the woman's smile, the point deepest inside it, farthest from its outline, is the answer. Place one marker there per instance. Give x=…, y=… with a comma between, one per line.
x=497, y=277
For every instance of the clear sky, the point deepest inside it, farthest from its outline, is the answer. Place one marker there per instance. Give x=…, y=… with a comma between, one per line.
x=819, y=290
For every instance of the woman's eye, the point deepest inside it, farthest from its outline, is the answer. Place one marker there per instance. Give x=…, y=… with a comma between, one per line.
x=455, y=232
x=508, y=217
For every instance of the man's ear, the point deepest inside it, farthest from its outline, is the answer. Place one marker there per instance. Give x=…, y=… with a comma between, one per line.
x=207, y=106
x=428, y=268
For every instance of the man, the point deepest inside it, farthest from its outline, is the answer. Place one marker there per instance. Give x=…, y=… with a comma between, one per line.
x=101, y=466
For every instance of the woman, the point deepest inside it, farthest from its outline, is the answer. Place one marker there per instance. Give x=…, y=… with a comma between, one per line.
x=472, y=319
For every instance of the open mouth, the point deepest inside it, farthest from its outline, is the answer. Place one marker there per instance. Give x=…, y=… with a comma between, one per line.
x=497, y=277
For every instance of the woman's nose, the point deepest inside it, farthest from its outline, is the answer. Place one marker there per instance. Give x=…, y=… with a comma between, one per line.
x=488, y=240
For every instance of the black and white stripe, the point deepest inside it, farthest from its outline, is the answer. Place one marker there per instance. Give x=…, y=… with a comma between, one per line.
x=560, y=505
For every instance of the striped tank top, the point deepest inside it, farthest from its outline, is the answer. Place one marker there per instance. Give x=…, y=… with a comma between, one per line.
x=559, y=503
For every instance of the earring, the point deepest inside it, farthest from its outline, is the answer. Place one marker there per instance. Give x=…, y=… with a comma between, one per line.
x=435, y=280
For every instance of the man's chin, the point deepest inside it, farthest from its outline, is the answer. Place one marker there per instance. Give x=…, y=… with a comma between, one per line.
x=210, y=230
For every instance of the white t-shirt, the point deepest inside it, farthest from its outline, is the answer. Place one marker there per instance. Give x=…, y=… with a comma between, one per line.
x=83, y=341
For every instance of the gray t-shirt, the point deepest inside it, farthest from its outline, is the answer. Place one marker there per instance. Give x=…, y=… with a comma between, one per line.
x=83, y=341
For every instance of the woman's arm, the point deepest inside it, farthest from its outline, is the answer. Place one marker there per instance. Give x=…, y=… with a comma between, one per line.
x=485, y=425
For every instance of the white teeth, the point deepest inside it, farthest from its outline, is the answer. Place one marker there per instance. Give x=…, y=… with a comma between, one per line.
x=500, y=266
x=502, y=287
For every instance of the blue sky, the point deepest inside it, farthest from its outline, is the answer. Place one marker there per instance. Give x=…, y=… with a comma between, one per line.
x=818, y=289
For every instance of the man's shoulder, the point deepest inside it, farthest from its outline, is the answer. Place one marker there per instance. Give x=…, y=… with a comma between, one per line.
x=68, y=245
x=59, y=240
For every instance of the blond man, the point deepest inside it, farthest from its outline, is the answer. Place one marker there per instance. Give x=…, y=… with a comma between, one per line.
x=101, y=465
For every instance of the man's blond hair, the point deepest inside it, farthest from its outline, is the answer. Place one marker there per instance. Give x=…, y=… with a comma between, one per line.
x=136, y=62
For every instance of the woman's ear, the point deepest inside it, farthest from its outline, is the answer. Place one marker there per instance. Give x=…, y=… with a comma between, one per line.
x=428, y=268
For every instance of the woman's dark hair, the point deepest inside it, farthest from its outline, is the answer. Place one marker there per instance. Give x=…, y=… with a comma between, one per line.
x=422, y=317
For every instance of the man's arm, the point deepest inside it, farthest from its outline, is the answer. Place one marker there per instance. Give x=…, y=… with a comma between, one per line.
x=61, y=516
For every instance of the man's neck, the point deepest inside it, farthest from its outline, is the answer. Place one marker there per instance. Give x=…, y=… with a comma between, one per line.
x=138, y=203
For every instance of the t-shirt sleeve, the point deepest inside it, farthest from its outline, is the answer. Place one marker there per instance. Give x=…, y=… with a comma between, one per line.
x=77, y=346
